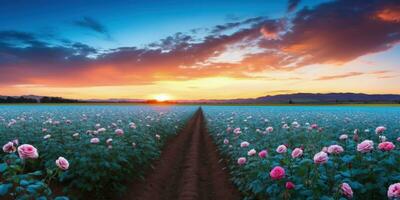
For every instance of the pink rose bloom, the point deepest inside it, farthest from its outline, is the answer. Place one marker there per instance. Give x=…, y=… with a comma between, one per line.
x=394, y=191
x=343, y=137
x=346, y=190
x=226, y=141
x=314, y=126
x=380, y=129
x=241, y=161
x=269, y=129
x=119, y=132
x=27, y=151
x=109, y=141
x=94, y=140
x=252, y=152
x=62, y=163
x=365, y=146
x=277, y=173
x=237, y=131
x=263, y=154
x=281, y=149
x=321, y=158
x=297, y=152
x=335, y=149
x=9, y=147
x=289, y=185
x=244, y=144
x=386, y=146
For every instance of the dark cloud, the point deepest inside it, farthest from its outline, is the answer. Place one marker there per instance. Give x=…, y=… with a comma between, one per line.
x=94, y=25
x=228, y=26
x=337, y=32
x=292, y=5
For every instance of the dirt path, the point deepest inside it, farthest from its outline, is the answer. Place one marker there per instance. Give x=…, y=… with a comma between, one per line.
x=189, y=168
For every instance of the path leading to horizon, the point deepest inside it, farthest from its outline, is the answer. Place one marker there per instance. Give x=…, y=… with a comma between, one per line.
x=188, y=168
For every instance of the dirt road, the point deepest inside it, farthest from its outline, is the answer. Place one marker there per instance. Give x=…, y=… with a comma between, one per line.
x=188, y=168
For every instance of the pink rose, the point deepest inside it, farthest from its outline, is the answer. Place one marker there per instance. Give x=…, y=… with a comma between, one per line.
x=119, y=132
x=394, y=191
x=365, y=146
x=281, y=149
x=289, y=185
x=27, y=151
x=335, y=149
x=226, y=141
x=109, y=141
x=277, y=173
x=94, y=140
x=241, y=161
x=343, y=137
x=263, y=154
x=252, y=152
x=297, y=152
x=386, y=146
x=244, y=144
x=346, y=190
x=380, y=129
x=62, y=163
x=269, y=129
x=321, y=158
x=9, y=147
x=314, y=126
x=237, y=131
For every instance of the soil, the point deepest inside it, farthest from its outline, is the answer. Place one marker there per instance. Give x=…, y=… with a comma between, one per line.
x=189, y=168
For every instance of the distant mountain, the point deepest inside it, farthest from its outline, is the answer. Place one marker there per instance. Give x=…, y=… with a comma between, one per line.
x=310, y=98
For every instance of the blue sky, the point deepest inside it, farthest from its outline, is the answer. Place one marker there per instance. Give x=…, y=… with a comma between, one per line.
x=198, y=49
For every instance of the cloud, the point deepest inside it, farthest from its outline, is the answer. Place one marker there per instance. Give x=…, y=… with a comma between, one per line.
x=333, y=77
x=228, y=26
x=292, y=5
x=93, y=25
x=334, y=32
x=389, y=14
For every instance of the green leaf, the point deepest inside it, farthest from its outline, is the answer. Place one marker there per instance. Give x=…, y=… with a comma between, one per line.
x=3, y=167
x=61, y=198
x=4, y=188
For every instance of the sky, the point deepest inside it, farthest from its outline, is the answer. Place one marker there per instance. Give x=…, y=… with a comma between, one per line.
x=198, y=49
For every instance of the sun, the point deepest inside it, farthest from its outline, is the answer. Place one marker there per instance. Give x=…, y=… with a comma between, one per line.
x=162, y=97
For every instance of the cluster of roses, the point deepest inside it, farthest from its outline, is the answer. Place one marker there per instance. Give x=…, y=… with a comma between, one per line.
x=322, y=157
x=27, y=151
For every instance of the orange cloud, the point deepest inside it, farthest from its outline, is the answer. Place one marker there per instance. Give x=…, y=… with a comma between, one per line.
x=391, y=14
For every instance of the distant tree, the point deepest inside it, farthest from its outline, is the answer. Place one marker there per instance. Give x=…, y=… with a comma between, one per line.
x=290, y=101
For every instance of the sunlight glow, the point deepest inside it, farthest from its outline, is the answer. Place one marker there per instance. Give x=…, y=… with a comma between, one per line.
x=162, y=97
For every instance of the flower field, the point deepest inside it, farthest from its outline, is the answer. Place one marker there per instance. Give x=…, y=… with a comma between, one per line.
x=75, y=152
x=304, y=152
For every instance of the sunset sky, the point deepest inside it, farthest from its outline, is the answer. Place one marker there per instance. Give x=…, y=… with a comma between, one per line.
x=198, y=49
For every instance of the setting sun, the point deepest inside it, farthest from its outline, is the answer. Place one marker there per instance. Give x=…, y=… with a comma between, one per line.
x=162, y=97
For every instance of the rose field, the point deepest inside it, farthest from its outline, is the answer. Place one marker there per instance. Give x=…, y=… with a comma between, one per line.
x=105, y=146
x=215, y=152
x=310, y=152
